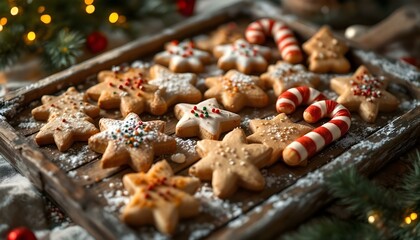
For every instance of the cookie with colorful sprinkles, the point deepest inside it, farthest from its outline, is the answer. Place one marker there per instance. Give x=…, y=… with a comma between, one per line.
x=160, y=198
x=236, y=91
x=283, y=76
x=206, y=120
x=243, y=56
x=131, y=142
x=183, y=57
x=69, y=119
x=276, y=133
x=364, y=93
x=179, y=87
x=129, y=93
x=231, y=163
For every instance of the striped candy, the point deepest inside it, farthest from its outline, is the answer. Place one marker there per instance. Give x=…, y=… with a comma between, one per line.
x=312, y=142
x=285, y=40
x=290, y=99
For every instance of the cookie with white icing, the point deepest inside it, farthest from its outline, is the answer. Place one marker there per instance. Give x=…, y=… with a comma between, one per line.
x=69, y=119
x=205, y=120
x=179, y=87
x=243, y=56
x=183, y=57
x=231, y=163
x=131, y=142
x=236, y=91
x=282, y=76
x=160, y=198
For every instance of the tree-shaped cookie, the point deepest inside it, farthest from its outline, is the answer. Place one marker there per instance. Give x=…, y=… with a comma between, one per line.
x=205, y=120
x=183, y=57
x=179, y=87
x=231, y=163
x=160, y=198
x=129, y=93
x=364, y=93
x=131, y=142
x=283, y=76
x=276, y=133
x=326, y=53
x=236, y=91
x=69, y=119
x=224, y=34
x=245, y=57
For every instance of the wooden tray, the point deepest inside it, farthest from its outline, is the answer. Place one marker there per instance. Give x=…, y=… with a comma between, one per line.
x=92, y=196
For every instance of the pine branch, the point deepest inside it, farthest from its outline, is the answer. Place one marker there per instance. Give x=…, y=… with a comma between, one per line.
x=328, y=228
x=11, y=46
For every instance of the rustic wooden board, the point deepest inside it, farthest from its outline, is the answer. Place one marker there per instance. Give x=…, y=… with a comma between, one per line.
x=93, y=196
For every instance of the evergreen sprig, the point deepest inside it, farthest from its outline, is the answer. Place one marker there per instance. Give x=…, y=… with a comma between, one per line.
x=381, y=212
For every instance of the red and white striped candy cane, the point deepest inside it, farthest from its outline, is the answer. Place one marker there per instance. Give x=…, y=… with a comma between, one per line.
x=290, y=99
x=312, y=142
x=284, y=37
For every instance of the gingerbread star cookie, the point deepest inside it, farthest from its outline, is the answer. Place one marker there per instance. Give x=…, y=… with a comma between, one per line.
x=225, y=34
x=364, y=93
x=245, y=57
x=131, y=142
x=326, y=53
x=205, y=120
x=283, y=76
x=121, y=72
x=276, y=133
x=160, y=198
x=179, y=87
x=236, y=91
x=69, y=119
x=231, y=163
x=183, y=57
x=129, y=92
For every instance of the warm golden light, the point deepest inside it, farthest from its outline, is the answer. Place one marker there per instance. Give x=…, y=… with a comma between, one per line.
x=90, y=9
x=41, y=9
x=407, y=220
x=1, y=28
x=14, y=11
x=88, y=2
x=113, y=17
x=46, y=18
x=31, y=36
x=371, y=219
x=3, y=21
x=413, y=216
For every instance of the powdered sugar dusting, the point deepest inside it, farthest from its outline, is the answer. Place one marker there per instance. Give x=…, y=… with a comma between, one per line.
x=74, y=157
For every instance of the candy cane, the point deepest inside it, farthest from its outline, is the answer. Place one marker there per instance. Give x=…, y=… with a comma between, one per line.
x=285, y=40
x=287, y=101
x=312, y=142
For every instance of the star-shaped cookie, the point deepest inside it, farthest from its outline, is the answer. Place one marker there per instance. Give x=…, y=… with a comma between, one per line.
x=245, y=57
x=69, y=119
x=131, y=141
x=183, y=57
x=276, y=133
x=236, y=91
x=129, y=93
x=122, y=72
x=205, y=120
x=160, y=198
x=225, y=34
x=179, y=87
x=231, y=163
x=283, y=76
x=326, y=53
x=364, y=93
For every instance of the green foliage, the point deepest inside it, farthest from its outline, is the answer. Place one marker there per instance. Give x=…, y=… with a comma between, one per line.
x=387, y=208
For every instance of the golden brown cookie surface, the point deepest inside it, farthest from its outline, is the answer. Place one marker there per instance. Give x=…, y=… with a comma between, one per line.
x=205, y=120
x=364, y=93
x=236, y=91
x=225, y=34
x=131, y=142
x=283, y=76
x=160, y=198
x=129, y=92
x=276, y=133
x=231, y=163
